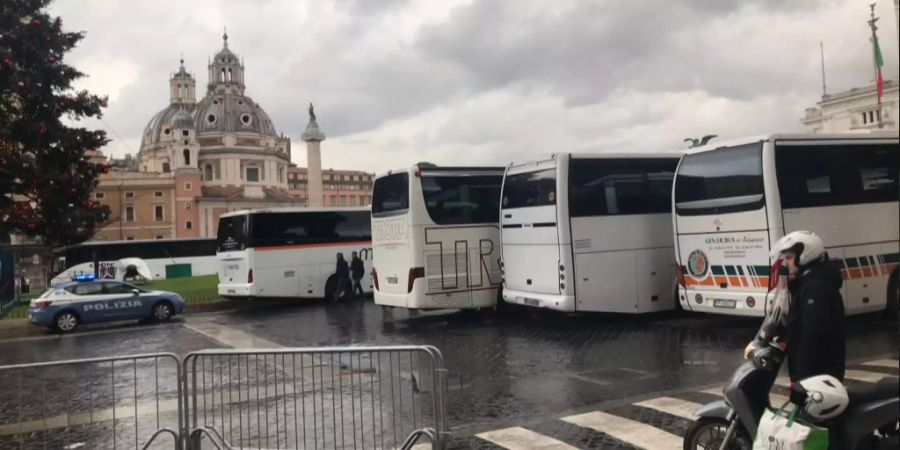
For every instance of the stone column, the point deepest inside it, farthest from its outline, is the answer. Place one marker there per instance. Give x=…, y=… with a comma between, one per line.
x=313, y=138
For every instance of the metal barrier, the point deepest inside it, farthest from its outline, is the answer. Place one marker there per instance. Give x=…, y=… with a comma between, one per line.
x=351, y=397
x=117, y=402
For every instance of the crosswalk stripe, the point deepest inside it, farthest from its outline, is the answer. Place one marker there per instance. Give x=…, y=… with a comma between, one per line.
x=892, y=363
x=774, y=399
x=626, y=430
x=864, y=375
x=518, y=438
x=673, y=406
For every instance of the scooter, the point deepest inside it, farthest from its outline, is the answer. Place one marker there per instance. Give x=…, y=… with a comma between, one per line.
x=870, y=421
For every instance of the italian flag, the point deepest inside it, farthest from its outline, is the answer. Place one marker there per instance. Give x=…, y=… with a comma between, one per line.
x=879, y=63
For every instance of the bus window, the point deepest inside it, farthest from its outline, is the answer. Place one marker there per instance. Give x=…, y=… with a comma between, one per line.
x=829, y=175
x=390, y=194
x=530, y=189
x=721, y=181
x=457, y=200
x=232, y=233
x=606, y=187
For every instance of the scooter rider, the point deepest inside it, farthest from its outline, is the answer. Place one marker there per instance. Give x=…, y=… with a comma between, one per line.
x=814, y=323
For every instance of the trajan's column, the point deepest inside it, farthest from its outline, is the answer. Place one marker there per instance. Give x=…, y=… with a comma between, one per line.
x=313, y=138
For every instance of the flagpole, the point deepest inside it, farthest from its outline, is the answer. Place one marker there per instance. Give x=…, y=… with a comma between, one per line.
x=874, y=40
x=822, y=54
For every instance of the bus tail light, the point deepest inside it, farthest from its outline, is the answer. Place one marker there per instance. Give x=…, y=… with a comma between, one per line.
x=774, y=274
x=250, y=276
x=43, y=303
x=375, y=278
x=679, y=275
x=415, y=272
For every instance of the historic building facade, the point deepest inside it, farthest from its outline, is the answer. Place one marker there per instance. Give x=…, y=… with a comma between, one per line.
x=856, y=109
x=201, y=159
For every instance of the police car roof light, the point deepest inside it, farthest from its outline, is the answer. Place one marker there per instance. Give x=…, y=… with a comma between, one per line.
x=84, y=277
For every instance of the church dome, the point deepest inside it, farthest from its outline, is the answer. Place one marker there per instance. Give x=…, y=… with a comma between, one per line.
x=231, y=113
x=161, y=125
x=182, y=119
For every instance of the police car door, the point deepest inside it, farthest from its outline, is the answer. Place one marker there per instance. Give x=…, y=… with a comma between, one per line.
x=123, y=304
x=91, y=303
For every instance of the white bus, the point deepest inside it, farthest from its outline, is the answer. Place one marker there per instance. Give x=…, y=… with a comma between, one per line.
x=436, y=237
x=290, y=252
x=163, y=258
x=589, y=232
x=732, y=200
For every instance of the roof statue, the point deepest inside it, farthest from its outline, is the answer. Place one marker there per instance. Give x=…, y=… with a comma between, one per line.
x=312, y=113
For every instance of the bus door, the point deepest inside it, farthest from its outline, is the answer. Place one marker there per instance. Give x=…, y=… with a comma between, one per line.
x=722, y=229
x=529, y=229
x=391, y=236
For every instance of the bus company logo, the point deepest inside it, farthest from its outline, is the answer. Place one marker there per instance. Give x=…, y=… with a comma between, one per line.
x=721, y=240
x=698, y=264
x=389, y=231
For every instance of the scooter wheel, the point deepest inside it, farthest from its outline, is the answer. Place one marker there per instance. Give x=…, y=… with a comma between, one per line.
x=708, y=433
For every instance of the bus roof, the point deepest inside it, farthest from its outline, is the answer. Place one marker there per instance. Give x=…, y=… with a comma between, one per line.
x=133, y=241
x=878, y=135
x=434, y=168
x=293, y=209
x=600, y=155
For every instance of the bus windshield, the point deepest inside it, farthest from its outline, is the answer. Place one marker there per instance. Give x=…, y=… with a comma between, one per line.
x=720, y=181
x=232, y=233
x=530, y=189
x=462, y=199
x=390, y=195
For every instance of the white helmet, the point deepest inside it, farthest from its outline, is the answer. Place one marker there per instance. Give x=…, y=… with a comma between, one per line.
x=805, y=244
x=826, y=397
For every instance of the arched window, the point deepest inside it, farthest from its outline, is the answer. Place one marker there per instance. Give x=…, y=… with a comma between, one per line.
x=187, y=157
x=222, y=75
x=166, y=167
x=207, y=172
x=230, y=77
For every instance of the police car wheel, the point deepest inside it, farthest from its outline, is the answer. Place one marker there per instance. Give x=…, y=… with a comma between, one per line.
x=162, y=312
x=66, y=322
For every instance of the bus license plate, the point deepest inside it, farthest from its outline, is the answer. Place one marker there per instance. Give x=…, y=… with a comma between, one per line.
x=232, y=291
x=392, y=280
x=724, y=303
x=532, y=302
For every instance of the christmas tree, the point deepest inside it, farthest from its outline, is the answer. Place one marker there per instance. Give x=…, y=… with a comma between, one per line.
x=46, y=179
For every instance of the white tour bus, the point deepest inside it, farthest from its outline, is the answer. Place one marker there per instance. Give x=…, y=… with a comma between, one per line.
x=159, y=259
x=732, y=200
x=290, y=252
x=589, y=232
x=436, y=237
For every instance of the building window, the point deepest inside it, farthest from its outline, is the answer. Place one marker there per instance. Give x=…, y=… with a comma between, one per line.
x=253, y=174
x=158, y=213
x=129, y=194
x=166, y=167
x=158, y=194
x=99, y=195
x=129, y=238
x=188, y=206
x=207, y=172
x=185, y=133
x=159, y=236
x=333, y=201
x=129, y=213
x=187, y=157
x=189, y=225
x=188, y=186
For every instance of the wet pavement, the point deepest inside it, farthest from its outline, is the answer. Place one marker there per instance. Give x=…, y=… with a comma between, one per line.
x=511, y=375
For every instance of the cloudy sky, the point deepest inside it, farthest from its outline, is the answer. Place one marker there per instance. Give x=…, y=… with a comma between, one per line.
x=485, y=81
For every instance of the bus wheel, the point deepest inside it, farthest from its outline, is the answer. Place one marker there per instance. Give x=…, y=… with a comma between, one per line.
x=330, y=289
x=892, y=310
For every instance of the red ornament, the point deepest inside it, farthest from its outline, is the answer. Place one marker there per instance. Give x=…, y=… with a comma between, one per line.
x=36, y=22
x=50, y=59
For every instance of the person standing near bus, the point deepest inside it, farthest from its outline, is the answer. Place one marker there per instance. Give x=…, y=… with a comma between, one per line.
x=342, y=274
x=357, y=270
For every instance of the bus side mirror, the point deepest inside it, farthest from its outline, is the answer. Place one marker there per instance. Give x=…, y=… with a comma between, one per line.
x=136, y=292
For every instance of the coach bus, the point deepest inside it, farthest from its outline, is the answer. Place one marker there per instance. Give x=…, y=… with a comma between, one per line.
x=290, y=252
x=436, y=237
x=589, y=232
x=165, y=258
x=732, y=200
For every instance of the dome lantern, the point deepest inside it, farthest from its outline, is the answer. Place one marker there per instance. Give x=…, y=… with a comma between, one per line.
x=226, y=71
x=182, y=86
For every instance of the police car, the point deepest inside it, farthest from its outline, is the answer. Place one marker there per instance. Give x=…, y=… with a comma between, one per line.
x=85, y=300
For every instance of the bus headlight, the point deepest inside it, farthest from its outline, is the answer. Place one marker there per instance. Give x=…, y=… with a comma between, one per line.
x=751, y=302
